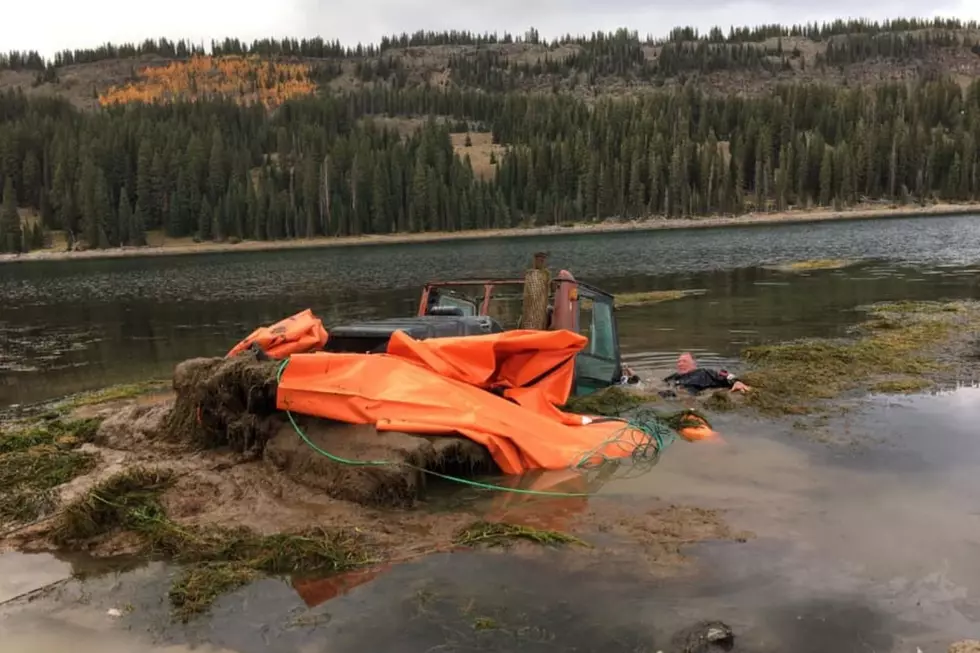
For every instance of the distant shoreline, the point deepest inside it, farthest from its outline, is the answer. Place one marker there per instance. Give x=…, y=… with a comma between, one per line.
x=652, y=224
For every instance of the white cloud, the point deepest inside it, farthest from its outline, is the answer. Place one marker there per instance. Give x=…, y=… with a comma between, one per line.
x=58, y=24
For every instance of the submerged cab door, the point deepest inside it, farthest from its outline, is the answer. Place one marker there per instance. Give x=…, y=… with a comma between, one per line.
x=598, y=365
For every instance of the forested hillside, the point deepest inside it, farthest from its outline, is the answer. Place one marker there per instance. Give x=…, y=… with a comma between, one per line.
x=295, y=139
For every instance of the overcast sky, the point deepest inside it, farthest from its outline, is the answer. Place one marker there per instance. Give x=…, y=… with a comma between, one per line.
x=52, y=25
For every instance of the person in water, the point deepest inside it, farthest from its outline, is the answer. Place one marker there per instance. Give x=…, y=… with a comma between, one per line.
x=694, y=379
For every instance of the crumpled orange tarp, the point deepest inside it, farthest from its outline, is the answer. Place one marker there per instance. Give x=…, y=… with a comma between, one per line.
x=440, y=387
x=298, y=333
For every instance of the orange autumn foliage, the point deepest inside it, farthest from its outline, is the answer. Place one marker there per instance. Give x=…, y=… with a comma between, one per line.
x=249, y=79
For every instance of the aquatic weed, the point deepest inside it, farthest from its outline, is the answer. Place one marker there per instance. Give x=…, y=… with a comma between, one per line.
x=128, y=500
x=609, y=402
x=502, y=534
x=897, y=340
x=629, y=299
x=814, y=264
x=36, y=458
x=905, y=385
x=52, y=431
x=114, y=393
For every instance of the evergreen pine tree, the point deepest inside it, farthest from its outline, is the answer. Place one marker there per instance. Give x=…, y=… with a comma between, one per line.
x=125, y=218
x=11, y=239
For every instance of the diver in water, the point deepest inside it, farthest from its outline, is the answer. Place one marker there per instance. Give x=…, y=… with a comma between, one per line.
x=695, y=379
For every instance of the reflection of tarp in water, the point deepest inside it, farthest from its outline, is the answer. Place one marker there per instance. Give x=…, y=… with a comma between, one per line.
x=315, y=591
x=545, y=512
x=533, y=510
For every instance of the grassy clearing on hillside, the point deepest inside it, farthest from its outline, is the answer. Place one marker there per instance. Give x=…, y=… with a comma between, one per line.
x=484, y=155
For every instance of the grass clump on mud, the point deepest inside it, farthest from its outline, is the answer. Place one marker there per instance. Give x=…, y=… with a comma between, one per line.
x=36, y=458
x=115, y=393
x=610, y=402
x=623, y=300
x=906, y=385
x=898, y=348
x=502, y=534
x=814, y=264
x=225, y=402
x=217, y=559
x=199, y=586
x=615, y=401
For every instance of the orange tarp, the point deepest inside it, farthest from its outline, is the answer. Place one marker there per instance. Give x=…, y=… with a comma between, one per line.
x=440, y=387
x=298, y=333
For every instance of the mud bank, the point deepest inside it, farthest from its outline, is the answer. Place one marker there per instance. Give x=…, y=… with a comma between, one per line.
x=213, y=477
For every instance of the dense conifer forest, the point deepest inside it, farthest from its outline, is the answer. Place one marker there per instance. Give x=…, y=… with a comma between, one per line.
x=297, y=139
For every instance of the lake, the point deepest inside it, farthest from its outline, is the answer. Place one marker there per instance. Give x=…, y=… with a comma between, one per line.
x=68, y=326
x=865, y=538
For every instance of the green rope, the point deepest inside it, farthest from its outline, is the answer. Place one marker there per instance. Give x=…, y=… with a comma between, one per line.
x=654, y=430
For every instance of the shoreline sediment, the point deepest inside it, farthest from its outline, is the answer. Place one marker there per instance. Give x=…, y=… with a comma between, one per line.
x=650, y=224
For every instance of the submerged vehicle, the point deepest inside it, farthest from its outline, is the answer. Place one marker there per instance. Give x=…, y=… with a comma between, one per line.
x=493, y=361
x=470, y=307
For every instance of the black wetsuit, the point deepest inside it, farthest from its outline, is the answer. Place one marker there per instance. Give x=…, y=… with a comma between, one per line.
x=701, y=379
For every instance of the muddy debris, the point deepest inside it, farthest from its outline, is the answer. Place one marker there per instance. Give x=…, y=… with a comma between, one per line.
x=503, y=534
x=704, y=637
x=214, y=478
x=215, y=557
x=403, y=461
x=131, y=426
x=610, y=402
x=127, y=500
x=965, y=646
x=225, y=402
x=37, y=458
x=721, y=401
x=633, y=405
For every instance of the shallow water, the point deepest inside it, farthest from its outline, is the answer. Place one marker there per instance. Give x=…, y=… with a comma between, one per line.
x=866, y=530
x=864, y=544
x=68, y=326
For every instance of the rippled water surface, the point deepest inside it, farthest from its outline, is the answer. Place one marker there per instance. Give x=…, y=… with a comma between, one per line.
x=76, y=325
x=866, y=535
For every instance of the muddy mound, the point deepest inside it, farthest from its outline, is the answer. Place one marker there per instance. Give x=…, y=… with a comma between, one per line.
x=399, y=476
x=229, y=405
x=225, y=402
x=130, y=426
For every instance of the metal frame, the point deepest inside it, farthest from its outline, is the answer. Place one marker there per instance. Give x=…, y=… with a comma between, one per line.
x=490, y=284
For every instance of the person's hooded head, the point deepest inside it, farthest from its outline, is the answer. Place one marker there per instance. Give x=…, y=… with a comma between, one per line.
x=686, y=363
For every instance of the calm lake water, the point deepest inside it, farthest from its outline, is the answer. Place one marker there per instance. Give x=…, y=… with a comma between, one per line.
x=78, y=325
